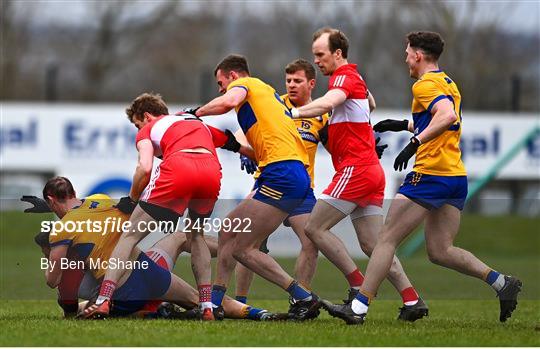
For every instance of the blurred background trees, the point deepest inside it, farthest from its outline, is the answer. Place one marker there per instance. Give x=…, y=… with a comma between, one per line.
x=110, y=51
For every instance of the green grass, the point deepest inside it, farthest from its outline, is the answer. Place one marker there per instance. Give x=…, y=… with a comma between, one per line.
x=463, y=310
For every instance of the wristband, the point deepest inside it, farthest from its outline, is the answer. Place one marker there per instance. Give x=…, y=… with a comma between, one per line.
x=295, y=113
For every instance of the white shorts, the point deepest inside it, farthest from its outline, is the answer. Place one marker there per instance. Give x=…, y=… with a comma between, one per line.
x=350, y=208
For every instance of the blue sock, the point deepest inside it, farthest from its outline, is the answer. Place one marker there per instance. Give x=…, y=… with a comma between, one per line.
x=253, y=313
x=241, y=299
x=362, y=299
x=298, y=293
x=492, y=276
x=218, y=292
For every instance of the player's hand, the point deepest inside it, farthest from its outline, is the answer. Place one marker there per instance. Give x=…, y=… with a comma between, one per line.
x=391, y=125
x=192, y=111
x=323, y=134
x=38, y=205
x=231, y=144
x=248, y=165
x=379, y=148
x=403, y=158
x=126, y=205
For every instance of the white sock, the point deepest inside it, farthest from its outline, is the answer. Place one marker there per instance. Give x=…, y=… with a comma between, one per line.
x=101, y=299
x=205, y=305
x=358, y=307
x=411, y=303
x=499, y=283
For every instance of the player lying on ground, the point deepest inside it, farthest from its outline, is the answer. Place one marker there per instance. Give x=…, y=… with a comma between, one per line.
x=282, y=187
x=357, y=189
x=434, y=192
x=144, y=286
x=189, y=177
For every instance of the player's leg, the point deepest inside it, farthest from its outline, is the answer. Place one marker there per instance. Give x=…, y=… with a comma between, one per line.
x=182, y=293
x=257, y=221
x=200, y=259
x=442, y=226
x=323, y=217
x=172, y=245
x=403, y=217
x=306, y=262
x=368, y=223
x=244, y=277
x=211, y=242
x=122, y=251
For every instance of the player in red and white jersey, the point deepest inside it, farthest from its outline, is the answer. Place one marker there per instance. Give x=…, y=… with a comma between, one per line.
x=357, y=188
x=188, y=177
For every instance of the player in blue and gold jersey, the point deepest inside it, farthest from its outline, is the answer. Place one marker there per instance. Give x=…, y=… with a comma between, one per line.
x=282, y=186
x=88, y=232
x=299, y=82
x=435, y=191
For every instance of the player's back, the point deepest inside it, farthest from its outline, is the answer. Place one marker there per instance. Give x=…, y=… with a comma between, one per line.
x=441, y=156
x=172, y=133
x=98, y=227
x=266, y=122
x=350, y=136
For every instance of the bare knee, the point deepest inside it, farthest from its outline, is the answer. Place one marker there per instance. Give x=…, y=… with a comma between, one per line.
x=436, y=255
x=312, y=230
x=367, y=247
x=240, y=254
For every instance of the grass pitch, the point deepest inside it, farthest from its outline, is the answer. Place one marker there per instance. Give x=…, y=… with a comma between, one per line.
x=463, y=311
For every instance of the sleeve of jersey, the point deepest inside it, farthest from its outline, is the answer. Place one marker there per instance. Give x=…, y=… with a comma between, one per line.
x=242, y=83
x=219, y=137
x=143, y=133
x=427, y=93
x=62, y=237
x=343, y=82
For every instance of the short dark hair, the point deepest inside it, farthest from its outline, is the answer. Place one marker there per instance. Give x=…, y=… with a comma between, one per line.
x=336, y=40
x=146, y=103
x=431, y=43
x=59, y=188
x=236, y=63
x=301, y=65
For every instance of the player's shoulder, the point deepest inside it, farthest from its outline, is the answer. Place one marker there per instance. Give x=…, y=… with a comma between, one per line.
x=425, y=84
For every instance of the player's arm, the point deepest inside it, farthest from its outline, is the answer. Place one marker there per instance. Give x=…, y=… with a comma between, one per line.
x=141, y=177
x=53, y=274
x=245, y=148
x=321, y=105
x=443, y=116
x=223, y=104
x=371, y=101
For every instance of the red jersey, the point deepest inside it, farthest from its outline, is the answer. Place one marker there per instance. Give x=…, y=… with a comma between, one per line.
x=350, y=136
x=172, y=133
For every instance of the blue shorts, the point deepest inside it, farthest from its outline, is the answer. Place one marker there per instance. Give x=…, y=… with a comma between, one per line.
x=142, y=286
x=433, y=192
x=283, y=184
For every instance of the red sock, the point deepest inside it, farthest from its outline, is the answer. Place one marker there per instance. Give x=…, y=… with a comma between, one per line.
x=409, y=295
x=107, y=289
x=205, y=293
x=355, y=278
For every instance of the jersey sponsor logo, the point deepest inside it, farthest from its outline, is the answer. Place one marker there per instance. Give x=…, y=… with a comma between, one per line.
x=308, y=136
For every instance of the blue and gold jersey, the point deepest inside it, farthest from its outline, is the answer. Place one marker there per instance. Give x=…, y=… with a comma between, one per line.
x=309, y=131
x=441, y=156
x=97, y=230
x=264, y=120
